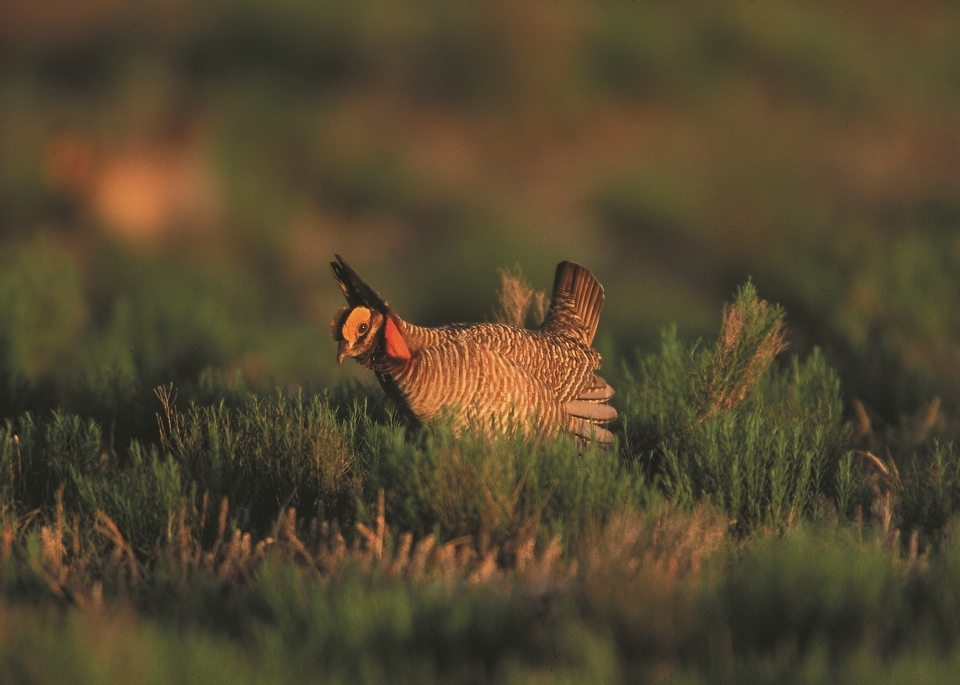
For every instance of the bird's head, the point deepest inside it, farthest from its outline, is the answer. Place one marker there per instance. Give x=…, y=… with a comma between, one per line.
x=357, y=329
x=367, y=329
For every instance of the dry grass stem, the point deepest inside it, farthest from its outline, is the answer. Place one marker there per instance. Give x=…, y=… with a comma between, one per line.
x=731, y=375
x=864, y=425
x=6, y=543
x=875, y=461
x=169, y=424
x=518, y=301
x=674, y=543
x=107, y=527
x=883, y=509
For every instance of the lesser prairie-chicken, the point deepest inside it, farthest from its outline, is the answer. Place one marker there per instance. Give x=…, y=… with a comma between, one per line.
x=488, y=375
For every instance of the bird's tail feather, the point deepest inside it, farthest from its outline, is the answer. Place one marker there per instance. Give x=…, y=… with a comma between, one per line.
x=576, y=303
x=589, y=412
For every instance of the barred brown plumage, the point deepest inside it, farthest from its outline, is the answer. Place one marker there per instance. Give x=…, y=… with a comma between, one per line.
x=489, y=375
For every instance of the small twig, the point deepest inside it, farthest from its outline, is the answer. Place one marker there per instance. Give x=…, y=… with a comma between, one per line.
x=875, y=460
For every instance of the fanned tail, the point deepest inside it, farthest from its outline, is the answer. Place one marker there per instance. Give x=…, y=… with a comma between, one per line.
x=576, y=303
x=589, y=412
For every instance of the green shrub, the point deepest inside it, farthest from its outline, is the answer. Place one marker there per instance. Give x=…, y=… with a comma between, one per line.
x=65, y=462
x=265, y=455
x=927, y=488
x=471, y=485
x=762, y=443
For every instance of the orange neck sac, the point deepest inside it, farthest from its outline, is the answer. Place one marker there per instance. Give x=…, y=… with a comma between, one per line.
x=397, y=349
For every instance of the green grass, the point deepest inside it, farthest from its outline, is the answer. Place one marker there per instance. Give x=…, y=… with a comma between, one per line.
x=732, y=534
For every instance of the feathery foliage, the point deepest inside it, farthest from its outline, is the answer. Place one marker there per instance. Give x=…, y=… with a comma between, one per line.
x=470, y=485
x=518, y=301
x=762, y=443
x=264, y=455
x=736, y=531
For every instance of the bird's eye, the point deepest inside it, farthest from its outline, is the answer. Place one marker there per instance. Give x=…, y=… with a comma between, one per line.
x=363, y=328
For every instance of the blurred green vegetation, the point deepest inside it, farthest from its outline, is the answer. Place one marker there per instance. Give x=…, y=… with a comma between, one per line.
x=192, y=166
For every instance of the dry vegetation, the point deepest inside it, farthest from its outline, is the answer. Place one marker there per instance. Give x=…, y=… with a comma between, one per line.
x=520, y=305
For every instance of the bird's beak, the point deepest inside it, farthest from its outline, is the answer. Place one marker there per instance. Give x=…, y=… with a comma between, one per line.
x=344, y=351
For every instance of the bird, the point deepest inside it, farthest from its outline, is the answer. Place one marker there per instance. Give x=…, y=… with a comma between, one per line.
x=487, y=375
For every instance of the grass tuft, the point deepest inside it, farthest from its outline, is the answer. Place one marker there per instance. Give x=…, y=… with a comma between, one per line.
x=751, y=335
x=519, y=303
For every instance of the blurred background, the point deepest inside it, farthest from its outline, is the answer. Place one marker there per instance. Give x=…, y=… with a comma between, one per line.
x=176, y=175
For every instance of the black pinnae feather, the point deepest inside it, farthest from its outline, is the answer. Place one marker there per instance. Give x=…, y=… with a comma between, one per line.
x=354, y=289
